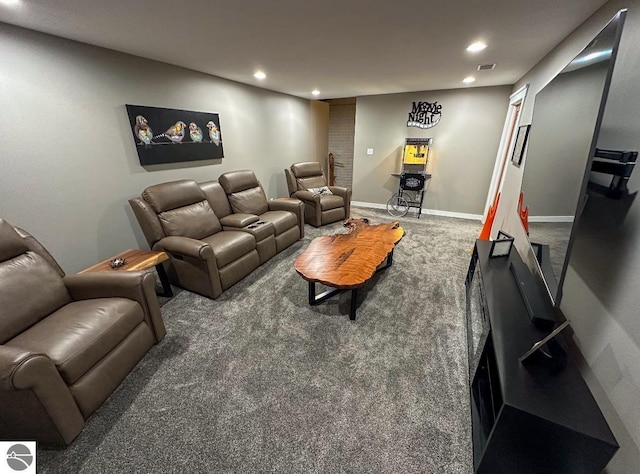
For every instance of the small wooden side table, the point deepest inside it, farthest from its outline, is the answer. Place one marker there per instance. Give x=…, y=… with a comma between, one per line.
x=137, y=260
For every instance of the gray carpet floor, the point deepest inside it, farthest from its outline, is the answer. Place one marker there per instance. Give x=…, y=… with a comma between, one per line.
x=259, y=381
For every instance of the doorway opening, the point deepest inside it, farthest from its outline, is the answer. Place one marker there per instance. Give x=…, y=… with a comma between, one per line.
x=516, y=100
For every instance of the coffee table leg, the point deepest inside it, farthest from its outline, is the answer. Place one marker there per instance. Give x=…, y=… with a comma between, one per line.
x=387, y=264
x=317, y=299
x=164, y=280
x=354, y=304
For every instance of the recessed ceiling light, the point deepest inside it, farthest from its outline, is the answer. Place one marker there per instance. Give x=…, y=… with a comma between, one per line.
x=475, y=47
x=259, y=75
x=469, y=79
x=10, y=3
x=315, y=92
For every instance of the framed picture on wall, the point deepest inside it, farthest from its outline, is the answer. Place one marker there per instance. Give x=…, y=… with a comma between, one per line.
x=521, y=143
x=171, y=135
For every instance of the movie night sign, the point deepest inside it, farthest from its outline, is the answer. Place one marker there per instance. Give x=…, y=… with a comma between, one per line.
x=424, y=115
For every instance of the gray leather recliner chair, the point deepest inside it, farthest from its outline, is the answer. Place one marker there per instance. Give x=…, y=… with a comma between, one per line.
x=319, y=208
x=66, y=342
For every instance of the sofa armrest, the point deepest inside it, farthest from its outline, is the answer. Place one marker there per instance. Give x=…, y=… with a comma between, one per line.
x=11, y=358
x=238, y=220
x=185, y=246
x=345, y=193
x=136, y=286
x=285, y=204
x=24, y=374
x=340, y=191
x=291, y=204
x=307, y=196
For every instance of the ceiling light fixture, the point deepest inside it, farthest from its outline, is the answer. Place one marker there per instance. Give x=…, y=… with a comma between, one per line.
x=10, y=3
x=315, y=92
x=259, y=75
x=475, y=47
x=469, y=79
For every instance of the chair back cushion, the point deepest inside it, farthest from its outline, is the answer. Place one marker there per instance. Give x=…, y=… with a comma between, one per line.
x=244, y=192
x=11, y=244
x=148, y=220
x=174, y=194
x=32, y=243
x=196, y=221
x=308, y=175
x=30, y=288
x=182, y=209
x=292, y=186
x=217, y=198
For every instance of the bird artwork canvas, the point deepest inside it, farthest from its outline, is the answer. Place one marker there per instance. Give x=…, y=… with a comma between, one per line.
x=171, y=135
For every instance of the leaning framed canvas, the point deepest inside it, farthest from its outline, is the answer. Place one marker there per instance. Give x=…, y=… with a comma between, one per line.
x=173, y=135
x=501, y=247
x=520, y=144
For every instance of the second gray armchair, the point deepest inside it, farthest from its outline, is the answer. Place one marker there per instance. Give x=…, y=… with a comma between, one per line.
x=323, y=204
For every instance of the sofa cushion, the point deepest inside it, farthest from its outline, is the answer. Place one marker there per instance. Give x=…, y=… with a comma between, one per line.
x=217, y=198
x=240, y=180
x=306, y=169
x=281, y=220
x=311, y=182
x=31, y=289
x=195, y=221
x=80, y=334
x=249, y=201
x=174, y=194
x=230, y=245
x=331, y=202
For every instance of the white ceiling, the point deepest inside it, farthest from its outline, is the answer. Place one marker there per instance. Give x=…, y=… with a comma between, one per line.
x=344, y=48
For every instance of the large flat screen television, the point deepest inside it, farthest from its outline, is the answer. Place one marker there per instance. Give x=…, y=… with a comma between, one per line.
x=566, y=121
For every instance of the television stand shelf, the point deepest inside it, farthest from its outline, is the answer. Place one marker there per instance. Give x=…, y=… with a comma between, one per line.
x=534, y=417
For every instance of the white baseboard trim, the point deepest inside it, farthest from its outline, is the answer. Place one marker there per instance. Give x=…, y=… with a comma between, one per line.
x=433, y=212
x=550, y=218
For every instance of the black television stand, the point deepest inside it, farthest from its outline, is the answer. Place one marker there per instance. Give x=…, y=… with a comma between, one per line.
x=535, y=417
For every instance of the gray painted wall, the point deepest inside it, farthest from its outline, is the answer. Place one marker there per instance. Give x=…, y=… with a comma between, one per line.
x=607, y=331
x=67, y=159
x=462, y=156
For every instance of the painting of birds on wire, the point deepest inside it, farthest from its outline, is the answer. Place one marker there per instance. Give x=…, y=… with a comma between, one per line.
x=172, y=135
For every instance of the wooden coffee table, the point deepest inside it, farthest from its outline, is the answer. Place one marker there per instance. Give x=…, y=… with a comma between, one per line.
x=136, y=259
x=348, y=261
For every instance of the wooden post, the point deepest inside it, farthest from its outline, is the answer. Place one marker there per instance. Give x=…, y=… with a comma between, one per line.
x=332, y=176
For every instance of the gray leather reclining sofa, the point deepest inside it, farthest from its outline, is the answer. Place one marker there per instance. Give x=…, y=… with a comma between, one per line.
x=216, y=233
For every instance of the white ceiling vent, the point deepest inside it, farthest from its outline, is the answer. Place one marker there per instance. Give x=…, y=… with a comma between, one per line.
x=486, y=67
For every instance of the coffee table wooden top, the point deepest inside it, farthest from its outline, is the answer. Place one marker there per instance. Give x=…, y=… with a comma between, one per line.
x=348, y=260
x=135, y=259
